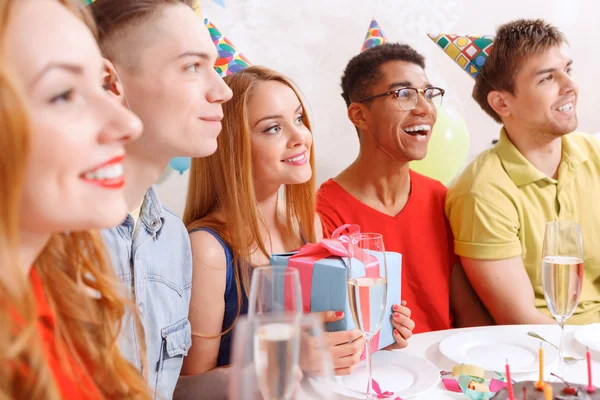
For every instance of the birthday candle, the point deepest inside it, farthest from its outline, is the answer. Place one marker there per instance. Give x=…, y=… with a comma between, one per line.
x=509, y=388
x=540, y=384
x=524, y=392
x=547, y=392
x=588, y=356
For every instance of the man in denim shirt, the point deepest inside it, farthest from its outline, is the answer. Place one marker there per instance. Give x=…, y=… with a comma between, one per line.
x=154, y=259
x=160, y=63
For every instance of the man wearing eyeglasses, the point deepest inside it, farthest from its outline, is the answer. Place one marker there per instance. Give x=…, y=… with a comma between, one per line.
x=392, y=104
x=539, y=171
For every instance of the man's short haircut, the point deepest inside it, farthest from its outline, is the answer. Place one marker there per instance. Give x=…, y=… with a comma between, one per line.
x=364, y=70
x=118, y=20
x=515, y=42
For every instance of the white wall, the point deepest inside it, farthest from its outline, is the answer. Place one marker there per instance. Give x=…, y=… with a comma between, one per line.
x=312, y=40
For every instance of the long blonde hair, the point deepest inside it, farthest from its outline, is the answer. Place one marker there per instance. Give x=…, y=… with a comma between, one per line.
x=69, y=266
x=224, y=182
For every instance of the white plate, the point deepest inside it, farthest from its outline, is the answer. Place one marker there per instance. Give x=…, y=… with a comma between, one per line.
x=490, y=350
x=394, y=371
x=589, y=336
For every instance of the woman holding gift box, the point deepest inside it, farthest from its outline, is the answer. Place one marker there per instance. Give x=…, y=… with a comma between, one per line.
x=61, y=146
x=237, y=218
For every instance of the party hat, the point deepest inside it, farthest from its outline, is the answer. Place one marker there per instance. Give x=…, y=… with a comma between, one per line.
x=230, y=59
x=468, y=51
x=374, y=37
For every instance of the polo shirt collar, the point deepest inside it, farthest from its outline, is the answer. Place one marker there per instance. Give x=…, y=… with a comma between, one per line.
x=521, y=171
x=572, y=154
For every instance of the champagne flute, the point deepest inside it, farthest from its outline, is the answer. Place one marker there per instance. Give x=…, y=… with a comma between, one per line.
x=367, y=289
x=274, y=290
x=280, y=357
x=562, y=273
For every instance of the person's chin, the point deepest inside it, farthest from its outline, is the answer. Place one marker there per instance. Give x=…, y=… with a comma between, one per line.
x=417, y=158
x=411, y=155
x=110, y=216
x=98, y=207
x=562, y=126
x=106, y=218
x=206, y=147
x=300, y=178
x=307, y=177
x=565, y=128
x=573, y=125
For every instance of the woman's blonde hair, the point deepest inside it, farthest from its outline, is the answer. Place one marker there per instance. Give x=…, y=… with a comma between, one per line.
x=224, y=182
x=79, y=283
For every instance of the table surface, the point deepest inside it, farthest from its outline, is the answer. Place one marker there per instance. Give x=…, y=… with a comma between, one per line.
x=426, y=345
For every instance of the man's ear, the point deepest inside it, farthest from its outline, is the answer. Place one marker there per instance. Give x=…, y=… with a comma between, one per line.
x=111, y=80
x=357, y=115
x=499, y=102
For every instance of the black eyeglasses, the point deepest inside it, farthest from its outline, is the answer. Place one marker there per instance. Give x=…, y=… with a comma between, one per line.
x=408, y=96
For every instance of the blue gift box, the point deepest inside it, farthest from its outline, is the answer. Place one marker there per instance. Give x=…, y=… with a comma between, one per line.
x=329, y=291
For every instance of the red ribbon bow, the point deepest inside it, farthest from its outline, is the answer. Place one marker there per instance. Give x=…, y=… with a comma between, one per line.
x=310, y=253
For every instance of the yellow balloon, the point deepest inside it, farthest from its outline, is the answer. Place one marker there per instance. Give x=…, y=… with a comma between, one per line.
x=448, y=148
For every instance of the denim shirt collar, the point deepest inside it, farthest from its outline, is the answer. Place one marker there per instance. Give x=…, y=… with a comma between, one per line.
x=151, y=213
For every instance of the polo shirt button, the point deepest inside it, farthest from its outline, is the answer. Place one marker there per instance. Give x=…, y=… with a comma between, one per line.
x=154, y=224
x=141, y=308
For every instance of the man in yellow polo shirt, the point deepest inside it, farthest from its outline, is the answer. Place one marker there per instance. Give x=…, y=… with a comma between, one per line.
x=538, y=172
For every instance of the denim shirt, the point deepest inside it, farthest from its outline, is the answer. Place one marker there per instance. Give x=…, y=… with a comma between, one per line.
x=156, y=264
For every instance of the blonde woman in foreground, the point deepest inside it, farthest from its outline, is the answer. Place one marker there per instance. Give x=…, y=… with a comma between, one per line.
x=61, y=149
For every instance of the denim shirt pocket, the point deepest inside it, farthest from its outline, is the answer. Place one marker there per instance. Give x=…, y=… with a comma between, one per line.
x=176, y=342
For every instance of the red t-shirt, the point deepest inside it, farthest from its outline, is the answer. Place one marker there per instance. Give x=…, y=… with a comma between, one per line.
x=79, y=385
x=420, y=232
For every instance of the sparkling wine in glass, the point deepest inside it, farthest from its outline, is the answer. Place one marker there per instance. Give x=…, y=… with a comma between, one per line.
x=367, y=289
x=280, y=357
x=276, y=358
x=274, y=289
x=562, y=273
x=375, y=290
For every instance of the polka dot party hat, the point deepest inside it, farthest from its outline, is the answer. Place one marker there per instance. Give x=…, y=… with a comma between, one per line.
x=374, y=37
x=230, y=59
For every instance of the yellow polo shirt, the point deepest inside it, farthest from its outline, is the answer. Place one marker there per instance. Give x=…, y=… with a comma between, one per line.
x=499, y=206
